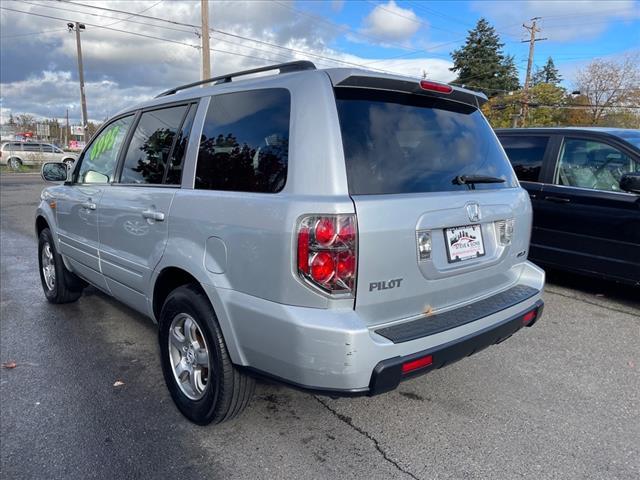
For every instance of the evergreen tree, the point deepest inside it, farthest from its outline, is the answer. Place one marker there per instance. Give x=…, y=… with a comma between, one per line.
x=481, y=64
x=547, y=74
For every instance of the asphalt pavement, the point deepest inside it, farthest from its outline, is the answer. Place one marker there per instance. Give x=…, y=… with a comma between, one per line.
x=560, y=400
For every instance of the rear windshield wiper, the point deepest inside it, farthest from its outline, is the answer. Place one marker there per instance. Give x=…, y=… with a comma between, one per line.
x=473, y=179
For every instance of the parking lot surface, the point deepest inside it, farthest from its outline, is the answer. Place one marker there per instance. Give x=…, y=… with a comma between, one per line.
x=560, y=400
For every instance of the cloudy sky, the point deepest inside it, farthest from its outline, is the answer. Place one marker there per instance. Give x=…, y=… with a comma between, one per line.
x=129, y=58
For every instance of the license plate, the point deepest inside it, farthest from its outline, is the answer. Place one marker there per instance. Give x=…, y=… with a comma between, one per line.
x=464, y=243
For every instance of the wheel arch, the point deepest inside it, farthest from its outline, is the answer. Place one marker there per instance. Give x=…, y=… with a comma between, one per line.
x=168, y=278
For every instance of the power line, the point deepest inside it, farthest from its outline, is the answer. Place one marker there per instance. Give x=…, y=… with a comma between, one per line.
x=32, y=34
x=138, y=13
x=262, y=42
x=197, y=47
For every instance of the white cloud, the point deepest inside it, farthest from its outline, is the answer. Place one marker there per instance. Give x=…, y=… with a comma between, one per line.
x=391, y=22
x=38, y=74
x=562, y=20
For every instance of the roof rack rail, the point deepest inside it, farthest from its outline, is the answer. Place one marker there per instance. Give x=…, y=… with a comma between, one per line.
x=288, y=67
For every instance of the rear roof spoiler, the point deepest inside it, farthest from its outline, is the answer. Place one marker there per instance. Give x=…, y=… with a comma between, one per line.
x=351, y=78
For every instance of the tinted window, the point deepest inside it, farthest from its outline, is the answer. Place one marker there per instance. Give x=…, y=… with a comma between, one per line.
x=98, y=162
x=174, y=172
x=593, y=164
x=151, y=144
x=399, y=143
x=31, y=147
x=47, y=148
x=245, y=142
x=526, y=155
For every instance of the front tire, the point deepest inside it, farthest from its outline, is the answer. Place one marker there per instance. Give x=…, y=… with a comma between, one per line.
x=204, y=384
x=59, y=284
x=14, y=163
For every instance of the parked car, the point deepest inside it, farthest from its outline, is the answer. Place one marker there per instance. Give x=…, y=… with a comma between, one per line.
x=340, y=241
x=16, y=154
x=584, y=184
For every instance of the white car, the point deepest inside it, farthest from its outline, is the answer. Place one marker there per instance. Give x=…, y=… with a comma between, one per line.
x=16, y=154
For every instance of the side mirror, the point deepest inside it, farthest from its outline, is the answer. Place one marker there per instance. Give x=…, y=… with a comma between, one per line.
x=54, y=172
x=630, y=182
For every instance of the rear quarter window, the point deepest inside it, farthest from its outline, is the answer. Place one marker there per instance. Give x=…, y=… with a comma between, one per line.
x=400, y=143
x=245, y=142
x=526, y=154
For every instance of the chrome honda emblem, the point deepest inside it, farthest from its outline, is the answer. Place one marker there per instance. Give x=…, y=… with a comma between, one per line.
x=473, y=210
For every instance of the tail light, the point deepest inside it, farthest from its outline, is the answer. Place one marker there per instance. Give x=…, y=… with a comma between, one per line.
x=504, y=231
x=327, y=252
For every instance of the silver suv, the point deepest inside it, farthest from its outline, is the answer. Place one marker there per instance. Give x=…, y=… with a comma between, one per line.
x=337, y=230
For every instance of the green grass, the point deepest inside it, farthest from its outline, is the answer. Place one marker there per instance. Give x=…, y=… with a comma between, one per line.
x=22, y=169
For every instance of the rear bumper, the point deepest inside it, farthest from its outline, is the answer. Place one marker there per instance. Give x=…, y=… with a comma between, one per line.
x=388, y=374
x=333, y=351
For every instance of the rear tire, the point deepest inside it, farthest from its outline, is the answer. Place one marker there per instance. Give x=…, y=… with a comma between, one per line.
x=204, y=384
x=59, y=284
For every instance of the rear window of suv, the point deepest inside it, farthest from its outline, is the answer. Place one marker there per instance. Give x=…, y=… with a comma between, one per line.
x=400, y=143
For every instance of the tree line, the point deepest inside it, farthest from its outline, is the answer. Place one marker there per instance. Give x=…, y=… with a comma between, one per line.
x=607, y=92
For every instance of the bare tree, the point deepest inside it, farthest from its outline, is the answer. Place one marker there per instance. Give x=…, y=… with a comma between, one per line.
x=25, y=121
x=609, y=84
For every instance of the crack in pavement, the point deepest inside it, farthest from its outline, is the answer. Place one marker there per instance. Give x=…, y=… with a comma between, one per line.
x=584, y=300
x=348, y=421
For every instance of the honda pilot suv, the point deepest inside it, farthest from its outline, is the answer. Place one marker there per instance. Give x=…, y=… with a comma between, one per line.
x=337, y=230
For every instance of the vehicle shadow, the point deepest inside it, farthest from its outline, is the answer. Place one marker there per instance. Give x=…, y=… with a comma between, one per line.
x=625, y=294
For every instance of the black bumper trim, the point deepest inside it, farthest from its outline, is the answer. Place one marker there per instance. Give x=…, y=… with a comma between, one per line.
x=432, y=324
x=387, y=374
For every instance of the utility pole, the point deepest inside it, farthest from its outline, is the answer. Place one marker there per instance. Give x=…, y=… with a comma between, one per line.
x=206, y=53
x=66, y=131
x=533, y=29
x=77, y=27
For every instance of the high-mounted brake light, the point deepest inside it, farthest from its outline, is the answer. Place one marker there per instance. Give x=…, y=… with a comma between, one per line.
x=435, y=86
x=327, y=252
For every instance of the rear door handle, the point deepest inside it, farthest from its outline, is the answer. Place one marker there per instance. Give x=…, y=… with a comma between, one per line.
x=153, y=215
x=88, y=205
x=557, y=199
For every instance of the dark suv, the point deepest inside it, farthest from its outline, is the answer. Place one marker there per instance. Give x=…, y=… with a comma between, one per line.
x=584, y=185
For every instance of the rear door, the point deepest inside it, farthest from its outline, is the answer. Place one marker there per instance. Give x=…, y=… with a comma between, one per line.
x=588, y=223
x=134, y=211
x=427, y=242
x=32, y=153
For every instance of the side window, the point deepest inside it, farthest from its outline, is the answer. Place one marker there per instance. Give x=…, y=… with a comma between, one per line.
x=174, y=170
x=592, y=164
x=31, y=147
x=98, y=162
x=526, y=155
x=46, y=148
x=245, y=142
x=148, y=153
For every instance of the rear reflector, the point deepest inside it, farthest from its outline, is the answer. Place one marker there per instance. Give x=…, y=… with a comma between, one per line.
x=529, y=317
x=435, y=86
x=422, y=362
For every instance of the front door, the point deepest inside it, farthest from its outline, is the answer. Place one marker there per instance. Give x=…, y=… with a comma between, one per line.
x=134, y=211
x=590, y=224
x=78, y=201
